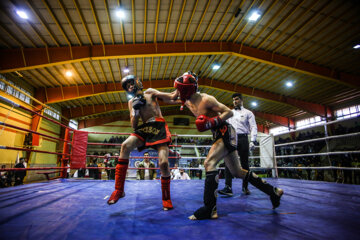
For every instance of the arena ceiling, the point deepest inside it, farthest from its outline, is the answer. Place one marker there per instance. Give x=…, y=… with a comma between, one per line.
x=307, y=42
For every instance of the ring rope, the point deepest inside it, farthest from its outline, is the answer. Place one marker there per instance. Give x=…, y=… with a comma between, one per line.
x=318, y=139
x=31, y=131
x=32, y=111
x=31, y=150
x=185, y=168
x=318, y=154
x=6, y=118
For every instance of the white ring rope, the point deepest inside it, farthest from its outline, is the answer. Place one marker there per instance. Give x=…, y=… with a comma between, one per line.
x=317, y=139
x=318, y=154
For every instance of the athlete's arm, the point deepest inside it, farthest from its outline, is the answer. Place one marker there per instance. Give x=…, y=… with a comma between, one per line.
x=216, y=106
x=169, y=98
x=134, y=115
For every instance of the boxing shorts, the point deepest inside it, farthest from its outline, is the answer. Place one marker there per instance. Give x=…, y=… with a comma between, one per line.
x=228, y=135
x=155, y=131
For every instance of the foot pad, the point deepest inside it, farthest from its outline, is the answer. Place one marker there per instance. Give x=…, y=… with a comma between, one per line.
x=167, y=205
x=204, y=213
x=115, y=196
x=275, y=198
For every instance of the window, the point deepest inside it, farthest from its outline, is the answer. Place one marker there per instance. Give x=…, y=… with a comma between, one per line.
x=278, y=130
x=14, y=92
x=73, y=124
x=309, y=122
x=53, y=114
x=2, y=86
x=348, y=112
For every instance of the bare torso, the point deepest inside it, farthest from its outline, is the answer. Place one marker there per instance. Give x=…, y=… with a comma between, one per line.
x=151, y=108
x=198, y=105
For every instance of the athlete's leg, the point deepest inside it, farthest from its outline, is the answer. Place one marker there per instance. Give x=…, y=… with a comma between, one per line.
x=122, y=165
x=163, y=152
x=216, y=153
x=233, y=163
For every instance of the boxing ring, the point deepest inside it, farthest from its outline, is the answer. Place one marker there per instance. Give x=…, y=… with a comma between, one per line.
x=77, y=208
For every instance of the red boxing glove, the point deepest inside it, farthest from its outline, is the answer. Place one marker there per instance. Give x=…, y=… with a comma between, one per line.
x=204, y=123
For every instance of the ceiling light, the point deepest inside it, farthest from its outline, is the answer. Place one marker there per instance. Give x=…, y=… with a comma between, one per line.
x=126, y=70
x=289, y=84
x=356, y=46
x=22, y=14
x=129, y=96
x=68, y=74
x=254, y=104
x=216, y=66
x=254, y=16
x=120, y=14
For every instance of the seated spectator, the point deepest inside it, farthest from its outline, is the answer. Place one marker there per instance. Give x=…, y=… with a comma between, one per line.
x=146, y=174
x=174, y=171
x=3, y=179
x=20, y=175
x=182, y=175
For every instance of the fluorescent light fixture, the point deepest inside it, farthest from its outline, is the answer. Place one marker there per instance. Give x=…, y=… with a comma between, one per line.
x=356, y=46
x=22, y=14
x=129, y=96
x=216, y=66
x=126, y=70
x=289, y=84
x=68, y=73
x=254, y=104
x=120, y=14
x=254, y=16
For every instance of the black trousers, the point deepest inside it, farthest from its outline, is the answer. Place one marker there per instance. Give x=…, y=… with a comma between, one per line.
x=243, y=151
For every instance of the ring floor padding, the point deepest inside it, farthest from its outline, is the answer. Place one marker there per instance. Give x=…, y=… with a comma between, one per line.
x=77, y=209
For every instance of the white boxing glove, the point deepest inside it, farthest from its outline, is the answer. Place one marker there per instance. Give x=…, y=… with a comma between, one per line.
x=251, y=146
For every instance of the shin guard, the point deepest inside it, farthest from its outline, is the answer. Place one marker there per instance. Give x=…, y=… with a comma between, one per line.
x=165, y=189
x=274, y=193
x=210, y=194
x=120, y=175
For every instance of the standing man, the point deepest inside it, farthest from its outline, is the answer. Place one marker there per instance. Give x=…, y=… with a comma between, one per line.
x=244, y=123
x=154, y=133
x=146, y=174
x=212, y=115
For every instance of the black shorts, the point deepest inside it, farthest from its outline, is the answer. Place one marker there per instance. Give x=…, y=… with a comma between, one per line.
x=153, y=132
x=228, y=135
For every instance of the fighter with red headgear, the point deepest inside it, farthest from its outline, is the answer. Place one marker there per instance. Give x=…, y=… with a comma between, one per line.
x=153, y=133
x=212, y=115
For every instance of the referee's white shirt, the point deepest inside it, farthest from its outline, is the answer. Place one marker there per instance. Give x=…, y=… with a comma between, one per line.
x=244, y=122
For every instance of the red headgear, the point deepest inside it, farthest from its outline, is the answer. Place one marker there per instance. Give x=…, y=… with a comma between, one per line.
x=187, y=86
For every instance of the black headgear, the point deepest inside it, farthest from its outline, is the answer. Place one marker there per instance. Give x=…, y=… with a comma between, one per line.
x=132, y=80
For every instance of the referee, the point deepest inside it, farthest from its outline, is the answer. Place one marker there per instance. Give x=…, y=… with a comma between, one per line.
x=244, y=123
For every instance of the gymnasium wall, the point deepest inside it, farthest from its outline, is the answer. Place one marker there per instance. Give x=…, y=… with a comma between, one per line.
x=15, y=138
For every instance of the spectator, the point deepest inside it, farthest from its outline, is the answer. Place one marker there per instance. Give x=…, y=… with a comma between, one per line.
x=68, y=171
x=107, y=164
x=182, y=175
x=174, y=171
x=112, y=163
x=3, y=179
x=20, y=175
x=146, y=174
